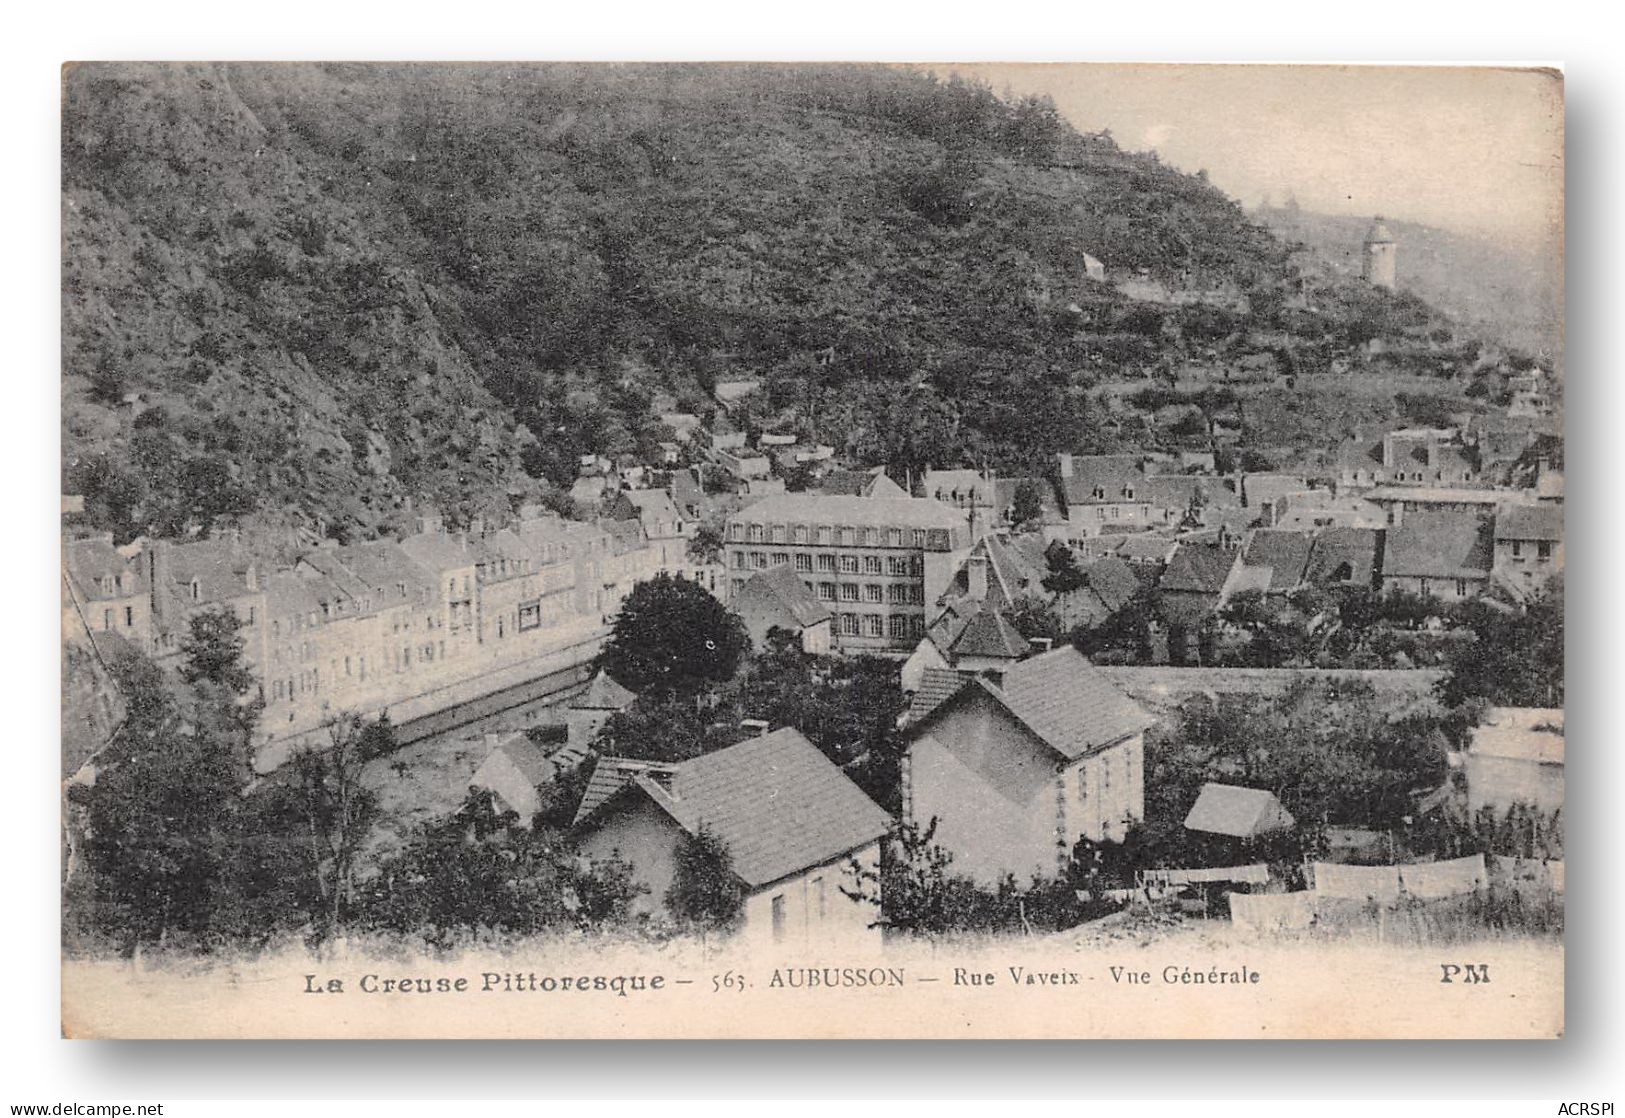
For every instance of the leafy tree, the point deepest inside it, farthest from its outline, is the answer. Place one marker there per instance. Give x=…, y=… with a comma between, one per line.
x=162, y=821
x=1033, y=618
x=1027, y=506
x=479, y=869
x=1064, y=574
x=672, y=635
x=1513, y=658
x=336, y=811
x=705, y=545
x=1125, y=637
x=659, y=726
x=1331, y=751
x=1255, y=461
x=914, y=890
x=705, y=893
x=1277, y=632
x=213, y=651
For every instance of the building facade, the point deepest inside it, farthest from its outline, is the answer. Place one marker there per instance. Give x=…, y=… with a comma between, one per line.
x=876, y=563
x=1015, y=767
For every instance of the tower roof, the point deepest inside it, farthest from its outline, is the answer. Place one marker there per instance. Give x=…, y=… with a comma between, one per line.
x=1378, y=233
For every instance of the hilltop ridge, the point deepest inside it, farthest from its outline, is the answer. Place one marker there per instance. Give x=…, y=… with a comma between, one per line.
x=305, y=294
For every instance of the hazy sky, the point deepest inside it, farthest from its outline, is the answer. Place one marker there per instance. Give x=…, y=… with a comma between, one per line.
x=1476, y=150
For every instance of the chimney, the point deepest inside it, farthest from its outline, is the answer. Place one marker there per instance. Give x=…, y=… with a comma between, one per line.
x=976, y=576
x=1396, y=515
x=1543, y=465
x=251, y=577
x=158, y=572
x=1040, y=644
x=1066, y=465
x=755, y=727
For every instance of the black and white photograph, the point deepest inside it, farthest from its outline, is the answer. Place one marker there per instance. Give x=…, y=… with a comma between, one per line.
x=811, y=550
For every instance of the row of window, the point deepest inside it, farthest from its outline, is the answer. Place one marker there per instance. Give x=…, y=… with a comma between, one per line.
x=897, y=627
x=1110, y=512
x=311, y=679
x=897, y=594
x=830, y=535
x=1543, y=549
x=897, y=566
x=107, y=618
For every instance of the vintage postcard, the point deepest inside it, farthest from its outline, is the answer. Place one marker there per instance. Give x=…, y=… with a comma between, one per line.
x=815, y=551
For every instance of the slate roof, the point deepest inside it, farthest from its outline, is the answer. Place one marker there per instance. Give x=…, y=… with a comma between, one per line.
x=1439, y=544
x=937, y=686
x=1198, y=568
x=384, y=566
x=1014, y=571
x=777, y=803
x=609, y=776
x=1269, y=487
x=289, y=595
x=1114, y=475
x=1529, y=522
x=1285, y=553
x=89, y=561
x=958, y=485
x=1174, y=491
x=652, y=506
x=333, y=569
x=1358, y=547
x=218, y=566
x=779, y=591
x=885, y=512
x=1228, y=809
x=1064, y=701
x=1004, y=497
x=627, y=535
x=603, y=693
x=989, y=633
x=845, y=483
x=1113, y=581
x=438, y=552
x=1145, y=548
x=513, y=771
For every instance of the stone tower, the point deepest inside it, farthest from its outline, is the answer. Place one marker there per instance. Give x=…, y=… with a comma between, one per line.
x=1377, y=258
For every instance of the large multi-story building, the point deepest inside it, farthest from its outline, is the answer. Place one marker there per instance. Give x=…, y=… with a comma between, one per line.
x=877, y=563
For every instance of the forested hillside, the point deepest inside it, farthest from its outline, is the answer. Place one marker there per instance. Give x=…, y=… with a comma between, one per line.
x=296, y=293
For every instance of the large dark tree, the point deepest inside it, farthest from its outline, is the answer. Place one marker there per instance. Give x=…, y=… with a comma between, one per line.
x=480, y=869
x=1513, y=658
x=705, y=893
x=671, y=635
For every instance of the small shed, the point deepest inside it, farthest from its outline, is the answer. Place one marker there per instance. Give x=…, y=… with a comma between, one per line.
x=1237, y=812
x=589, y=711
x=512, y=772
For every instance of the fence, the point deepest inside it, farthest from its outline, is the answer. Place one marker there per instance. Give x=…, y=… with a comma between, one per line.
x=1423, y=901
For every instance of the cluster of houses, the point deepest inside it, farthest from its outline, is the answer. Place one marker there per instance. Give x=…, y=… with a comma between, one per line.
x=1014, y=749
x=406, y=627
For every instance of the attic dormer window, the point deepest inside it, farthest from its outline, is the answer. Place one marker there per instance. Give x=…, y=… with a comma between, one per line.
x=1100, y=492
x=1128, y=491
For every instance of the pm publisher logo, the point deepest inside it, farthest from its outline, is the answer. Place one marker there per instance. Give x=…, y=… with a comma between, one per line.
x=1585, y=1108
